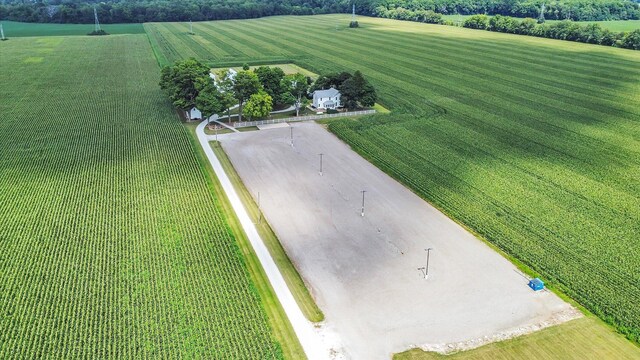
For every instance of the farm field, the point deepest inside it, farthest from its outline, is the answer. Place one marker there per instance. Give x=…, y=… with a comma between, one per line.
x=531, y=143
x=21, y=29
x=112, y=242
x=613, y=25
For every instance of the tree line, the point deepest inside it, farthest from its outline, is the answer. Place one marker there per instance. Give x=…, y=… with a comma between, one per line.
x=576, y=10
x=139, y=11
x=562, y=30
x=189, y=83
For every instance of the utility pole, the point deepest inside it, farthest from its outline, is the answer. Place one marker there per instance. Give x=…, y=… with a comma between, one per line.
x=541, y=16
x=97, y=23
x=363, y=192
x=321, y=163
x=426, y=274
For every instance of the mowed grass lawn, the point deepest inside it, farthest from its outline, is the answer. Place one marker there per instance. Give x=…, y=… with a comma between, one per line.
x=21, y=29
x=112, y=242
x=533, y=144
x=581, y=339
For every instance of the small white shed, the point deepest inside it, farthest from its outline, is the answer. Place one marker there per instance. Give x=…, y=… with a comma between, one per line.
x=194, y=114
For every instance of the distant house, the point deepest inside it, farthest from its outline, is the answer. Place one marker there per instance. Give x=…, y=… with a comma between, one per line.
x=326, y=99
x=231, y=73
x=194, y=114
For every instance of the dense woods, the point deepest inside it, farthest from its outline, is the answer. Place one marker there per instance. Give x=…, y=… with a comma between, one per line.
x=137, y=11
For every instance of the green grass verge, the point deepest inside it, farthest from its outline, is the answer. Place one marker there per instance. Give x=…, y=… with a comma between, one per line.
x=21, y=29
x=581, y=339
x=288, y=270
x=280, y=325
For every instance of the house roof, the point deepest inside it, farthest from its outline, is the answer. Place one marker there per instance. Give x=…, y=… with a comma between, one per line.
x=326, y=93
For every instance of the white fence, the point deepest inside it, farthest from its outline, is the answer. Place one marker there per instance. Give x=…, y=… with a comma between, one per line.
x=241, y=124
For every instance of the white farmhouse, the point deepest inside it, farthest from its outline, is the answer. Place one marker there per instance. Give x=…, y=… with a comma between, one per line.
x=231, y=74
x=326, y=99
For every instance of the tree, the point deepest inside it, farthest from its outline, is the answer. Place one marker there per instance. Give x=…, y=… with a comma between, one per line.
x=258, y=105
x=210, y=100
x=527, y=26
x=246, y=83
x=357, y=92
x=631, y=40
x=477, y=22
x=331, y=80
x=224, y=83
x=297, y=86
x=179, y=81
x=271, y=80
x=592, y=34
x=504, y=24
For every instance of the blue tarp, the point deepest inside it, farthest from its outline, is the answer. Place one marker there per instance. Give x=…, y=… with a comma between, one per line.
x=536, y=284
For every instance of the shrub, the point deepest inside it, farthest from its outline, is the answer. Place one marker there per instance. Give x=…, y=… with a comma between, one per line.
x=98, y=33
x=477, y=22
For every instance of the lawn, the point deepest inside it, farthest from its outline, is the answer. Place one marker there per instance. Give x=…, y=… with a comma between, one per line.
x=581, y=339
x=113, y=240
x=20, y=29
x=613, y=25
x=288, y=69
x=530, y=143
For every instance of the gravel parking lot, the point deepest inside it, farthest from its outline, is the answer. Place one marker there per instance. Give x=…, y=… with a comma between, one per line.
x=363, y=271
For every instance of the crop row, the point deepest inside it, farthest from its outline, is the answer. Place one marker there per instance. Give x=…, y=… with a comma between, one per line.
x=111, y=243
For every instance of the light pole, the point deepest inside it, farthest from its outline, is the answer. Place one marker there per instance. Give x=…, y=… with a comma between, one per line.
x=321, y=163
x=363, y=192
x=291, y=128
x=426, y=274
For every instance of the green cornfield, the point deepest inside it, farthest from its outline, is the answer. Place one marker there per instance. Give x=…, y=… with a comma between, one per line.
x=21, y=29
x=533, y=144
x=112, y=245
